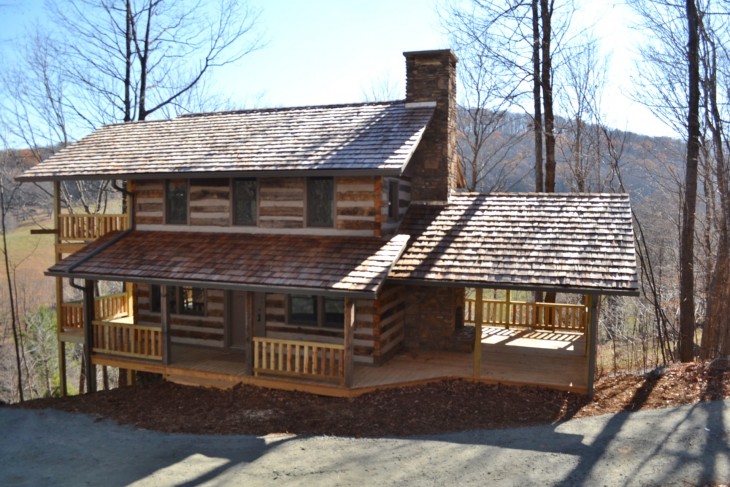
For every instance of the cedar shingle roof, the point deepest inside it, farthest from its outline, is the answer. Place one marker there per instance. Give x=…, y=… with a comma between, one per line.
x=571, y=242
x=344, y=265
x=374, y=137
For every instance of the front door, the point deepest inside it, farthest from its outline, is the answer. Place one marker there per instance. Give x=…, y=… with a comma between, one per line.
x=237, y=324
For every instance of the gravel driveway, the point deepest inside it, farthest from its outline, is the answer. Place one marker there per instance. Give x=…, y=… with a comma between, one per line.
x=679, y=446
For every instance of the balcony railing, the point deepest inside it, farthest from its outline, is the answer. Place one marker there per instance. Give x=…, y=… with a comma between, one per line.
x=128, y=340
x=105, y=307
x=88, y=227
x=540, y=316
x=311, y=360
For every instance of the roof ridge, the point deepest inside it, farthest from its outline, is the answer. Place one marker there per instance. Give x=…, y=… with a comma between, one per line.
x=291, y=108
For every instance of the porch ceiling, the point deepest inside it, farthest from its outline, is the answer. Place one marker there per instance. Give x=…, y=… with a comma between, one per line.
x=533, y=241
x=279, y=263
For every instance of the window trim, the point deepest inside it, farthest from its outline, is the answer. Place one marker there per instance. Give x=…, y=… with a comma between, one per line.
x=174, y=298
x=257, y=202
x=393, y=199
x=333, y=202
x=167, y=202
x=321, y=321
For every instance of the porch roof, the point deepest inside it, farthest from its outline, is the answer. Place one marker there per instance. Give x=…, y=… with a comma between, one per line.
x=350, y=266
x=562, y=242
x=364, y=138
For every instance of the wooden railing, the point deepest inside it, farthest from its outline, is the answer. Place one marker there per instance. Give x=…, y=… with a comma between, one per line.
x=127, y=340
x=105, y=307
x=541, y=316
x=88, y=227
x=310, y=360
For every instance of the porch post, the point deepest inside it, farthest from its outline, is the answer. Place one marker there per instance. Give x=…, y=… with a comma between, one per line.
x=248, y=342
x=592, y=305
x=349, y=331
x=165, y=325
x=59, y=288
x=508, y=295
x=89, y=334
x=478, y=318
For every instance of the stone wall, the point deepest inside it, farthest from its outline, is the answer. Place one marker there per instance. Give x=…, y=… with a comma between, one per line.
x=433, y=314
x=431, y=76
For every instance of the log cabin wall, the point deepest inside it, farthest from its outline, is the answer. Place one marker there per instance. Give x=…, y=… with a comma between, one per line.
x=366, y=347
x=207, y=330
x=390, y=224
x=389, y=322
x=210, y=202
x=149, y=197
x=358, y=206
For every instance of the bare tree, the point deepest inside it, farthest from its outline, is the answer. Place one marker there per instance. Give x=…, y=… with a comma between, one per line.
x=522, y=42
x=132, y=58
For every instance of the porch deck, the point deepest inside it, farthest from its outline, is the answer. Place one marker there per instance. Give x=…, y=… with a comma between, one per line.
x=509, y=356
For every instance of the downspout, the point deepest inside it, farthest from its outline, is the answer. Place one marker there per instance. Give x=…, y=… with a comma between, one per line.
x=88, y=290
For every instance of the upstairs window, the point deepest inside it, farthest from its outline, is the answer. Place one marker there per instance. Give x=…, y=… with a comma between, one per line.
x=244, y=202
x=320, y=202
x=393, y=200
x=176, y=202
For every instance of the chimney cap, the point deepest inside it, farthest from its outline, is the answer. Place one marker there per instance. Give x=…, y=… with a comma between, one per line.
x=432, y=53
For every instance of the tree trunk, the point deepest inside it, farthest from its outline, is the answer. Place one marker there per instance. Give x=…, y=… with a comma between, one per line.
x=546, y=13
x=537, y=99
x=686, y=251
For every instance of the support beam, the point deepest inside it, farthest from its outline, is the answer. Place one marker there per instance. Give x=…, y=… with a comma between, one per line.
x=349, y=332
x=89, y=334
x=592, y=331
x=248, y=335
x=478, y=320
x=165, y=324
x=59, y=288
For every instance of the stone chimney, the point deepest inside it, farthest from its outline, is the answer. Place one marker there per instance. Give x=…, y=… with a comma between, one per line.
x=433, y=169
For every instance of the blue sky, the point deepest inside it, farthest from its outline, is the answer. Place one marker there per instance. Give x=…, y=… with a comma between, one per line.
x=336, y=51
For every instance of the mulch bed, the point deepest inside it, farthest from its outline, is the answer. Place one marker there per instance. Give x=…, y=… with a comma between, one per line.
x=445, y=406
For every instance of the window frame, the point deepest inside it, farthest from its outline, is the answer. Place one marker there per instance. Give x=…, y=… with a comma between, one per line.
x=168, y=202
x=320, y=312
x=256, y=203
x=175, y=300
x=393, y=199
x=309, y=208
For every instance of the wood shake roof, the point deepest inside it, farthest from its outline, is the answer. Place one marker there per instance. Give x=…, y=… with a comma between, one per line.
x=368, y=137
x=336, y=265
x=568, y=242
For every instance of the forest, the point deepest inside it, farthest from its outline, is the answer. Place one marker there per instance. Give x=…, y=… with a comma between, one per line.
x=530, y=90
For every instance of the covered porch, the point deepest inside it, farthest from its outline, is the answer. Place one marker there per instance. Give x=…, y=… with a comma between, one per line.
x=508, y=356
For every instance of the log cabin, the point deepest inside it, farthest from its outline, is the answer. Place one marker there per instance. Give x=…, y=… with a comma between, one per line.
x=329, y=249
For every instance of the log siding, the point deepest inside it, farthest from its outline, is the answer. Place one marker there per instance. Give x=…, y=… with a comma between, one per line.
x=281, y=206
x=207, y=330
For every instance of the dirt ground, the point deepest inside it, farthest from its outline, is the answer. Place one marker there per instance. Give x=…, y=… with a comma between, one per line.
x=445, y=406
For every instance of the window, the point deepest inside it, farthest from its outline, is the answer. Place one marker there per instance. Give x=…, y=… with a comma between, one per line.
x=320, y=202
x=176, y=201
x=184, y=300
x=310, y=310
x=190, y=300
x=244, y=202
x=334, y=313
x=393, y=197
x=155, y=299
x=303, y=309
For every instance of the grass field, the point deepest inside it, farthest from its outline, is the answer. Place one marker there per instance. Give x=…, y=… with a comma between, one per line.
x=30, y=255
